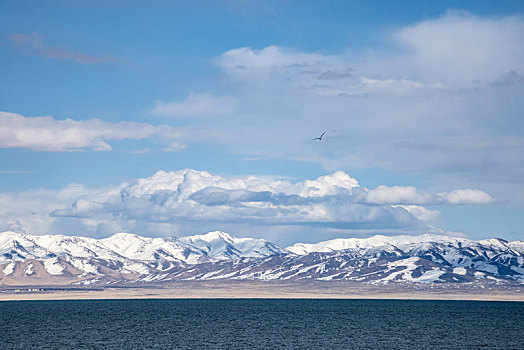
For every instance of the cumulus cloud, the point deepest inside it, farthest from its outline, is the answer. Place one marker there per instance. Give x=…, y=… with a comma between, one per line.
x=49, y=134
x=188, y=200
x=34, y=44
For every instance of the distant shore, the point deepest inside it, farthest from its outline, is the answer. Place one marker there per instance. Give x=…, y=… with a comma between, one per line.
x=269, y=290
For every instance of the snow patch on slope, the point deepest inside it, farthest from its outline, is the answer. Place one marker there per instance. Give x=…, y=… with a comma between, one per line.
x=83, y=265
x=9, y=268
x=53, y=266
x=460, y=270
x=29, y=269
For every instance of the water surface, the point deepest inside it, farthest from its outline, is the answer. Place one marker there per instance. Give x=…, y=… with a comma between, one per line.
x=261, y=324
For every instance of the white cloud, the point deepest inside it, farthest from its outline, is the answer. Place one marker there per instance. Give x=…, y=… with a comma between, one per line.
x=245, y=59
x=422, y=213
x=49, y=134
x=409, y=195
x=333, y=184
x=29, y=211
x=175, y=147
x=281, y=69
x=465, y=197
x=396, y=195
x=195, y=105
x=189, y=200
x=461, y=49
x=187, y=182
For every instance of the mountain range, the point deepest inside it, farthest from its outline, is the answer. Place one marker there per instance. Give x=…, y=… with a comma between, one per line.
x=125, y=259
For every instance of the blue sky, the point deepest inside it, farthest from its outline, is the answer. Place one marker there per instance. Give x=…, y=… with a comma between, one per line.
x=422, y=102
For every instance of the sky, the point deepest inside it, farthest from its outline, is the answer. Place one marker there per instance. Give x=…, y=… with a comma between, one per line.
x=171, y=118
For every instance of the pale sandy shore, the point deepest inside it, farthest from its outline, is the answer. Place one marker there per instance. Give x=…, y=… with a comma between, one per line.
x=272, y=290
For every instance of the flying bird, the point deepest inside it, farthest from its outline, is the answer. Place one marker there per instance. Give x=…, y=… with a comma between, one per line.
x=319, y=138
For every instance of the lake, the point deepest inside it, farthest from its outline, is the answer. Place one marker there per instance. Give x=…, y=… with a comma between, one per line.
x=261, y=324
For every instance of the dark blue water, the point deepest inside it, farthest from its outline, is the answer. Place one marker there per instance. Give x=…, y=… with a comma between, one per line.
x=261, y=324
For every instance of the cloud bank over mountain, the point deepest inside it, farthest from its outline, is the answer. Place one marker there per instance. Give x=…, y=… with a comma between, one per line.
x=183, y=201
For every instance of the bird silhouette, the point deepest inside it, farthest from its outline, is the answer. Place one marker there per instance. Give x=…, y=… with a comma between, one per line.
x=319, y=138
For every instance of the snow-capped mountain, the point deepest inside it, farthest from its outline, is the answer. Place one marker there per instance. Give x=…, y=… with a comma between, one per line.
x=130, y=258
x=369, y=243
x=496, y=256
x=222, y=246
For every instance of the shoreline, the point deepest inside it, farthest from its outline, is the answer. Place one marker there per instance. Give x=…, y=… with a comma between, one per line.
x=267, y=290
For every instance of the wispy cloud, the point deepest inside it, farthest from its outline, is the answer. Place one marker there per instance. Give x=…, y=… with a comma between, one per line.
x=15, y=172
x=34, y=44
x=175, y=147
x=49, y=134
x=195, y=105
x=409, y=195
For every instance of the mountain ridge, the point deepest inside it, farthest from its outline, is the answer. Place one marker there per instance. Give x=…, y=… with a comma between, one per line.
x=130, y=258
